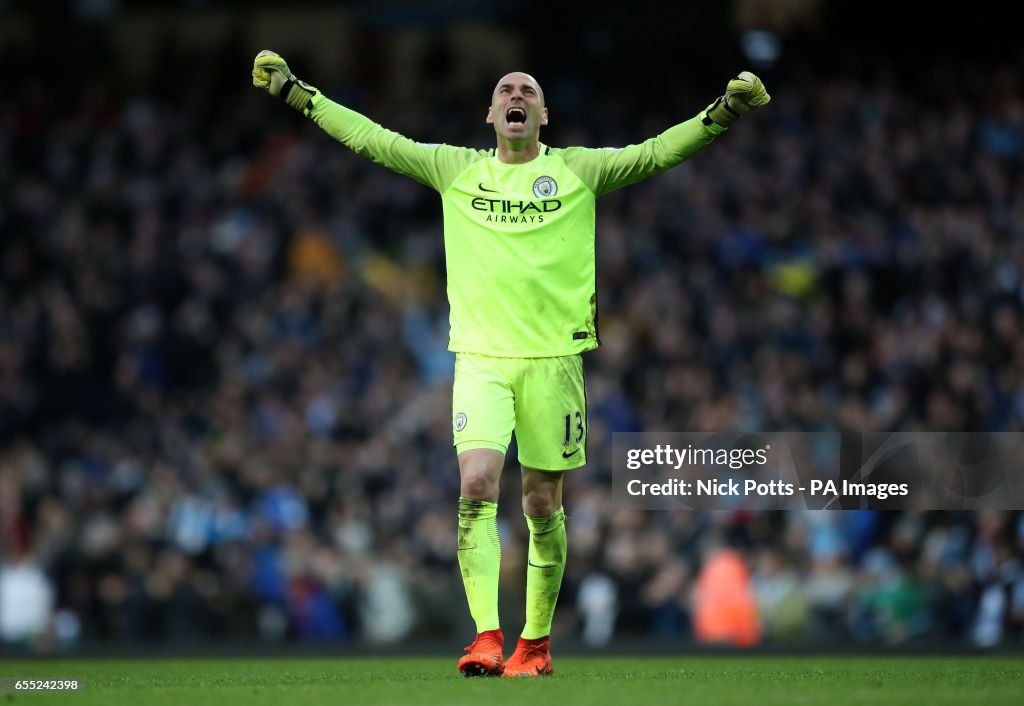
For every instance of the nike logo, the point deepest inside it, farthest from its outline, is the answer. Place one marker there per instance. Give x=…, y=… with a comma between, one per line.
x=484, y=188
x=566, y=454
x=537, y=566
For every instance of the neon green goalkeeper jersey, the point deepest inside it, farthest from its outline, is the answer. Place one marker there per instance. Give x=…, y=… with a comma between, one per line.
x=518, y=238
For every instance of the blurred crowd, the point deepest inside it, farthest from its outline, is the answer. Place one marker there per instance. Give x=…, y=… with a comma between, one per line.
x=225, y=393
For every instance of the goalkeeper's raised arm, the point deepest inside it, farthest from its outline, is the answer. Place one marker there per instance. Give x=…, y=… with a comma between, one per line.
x=429, y=164
x=606, y=170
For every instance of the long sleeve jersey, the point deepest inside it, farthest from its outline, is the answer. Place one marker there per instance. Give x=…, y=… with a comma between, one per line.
x=518, y=238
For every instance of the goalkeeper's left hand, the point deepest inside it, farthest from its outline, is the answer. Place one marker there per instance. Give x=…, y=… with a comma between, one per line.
x=742, y=95
x=271, y=73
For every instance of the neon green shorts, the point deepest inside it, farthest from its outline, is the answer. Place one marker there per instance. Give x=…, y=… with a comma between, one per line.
x=542, y=400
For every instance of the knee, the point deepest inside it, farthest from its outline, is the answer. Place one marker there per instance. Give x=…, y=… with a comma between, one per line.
x=537, y=503
x=478, y=486
x=479, y=477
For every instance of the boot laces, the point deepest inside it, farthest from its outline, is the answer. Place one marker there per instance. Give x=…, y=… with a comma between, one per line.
x=538, y=650
x=478, y=642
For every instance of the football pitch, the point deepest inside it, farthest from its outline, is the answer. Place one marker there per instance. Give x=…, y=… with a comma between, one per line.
x=743, y=680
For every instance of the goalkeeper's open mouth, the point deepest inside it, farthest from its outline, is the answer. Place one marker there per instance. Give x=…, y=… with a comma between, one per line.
x=515, y=117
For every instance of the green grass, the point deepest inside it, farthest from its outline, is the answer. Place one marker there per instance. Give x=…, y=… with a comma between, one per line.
x=707, y=681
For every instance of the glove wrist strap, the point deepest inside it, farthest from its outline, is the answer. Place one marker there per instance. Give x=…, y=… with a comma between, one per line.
x=297, y=95
x=720, y=113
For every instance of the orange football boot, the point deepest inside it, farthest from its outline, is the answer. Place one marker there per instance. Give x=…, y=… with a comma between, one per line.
x=532, y=658
x=483, y=658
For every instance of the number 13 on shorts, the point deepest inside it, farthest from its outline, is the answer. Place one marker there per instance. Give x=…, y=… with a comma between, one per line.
x=574, y=430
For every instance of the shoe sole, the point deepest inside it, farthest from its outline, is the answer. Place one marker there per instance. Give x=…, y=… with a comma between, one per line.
x=529, y=675
x=480, y=669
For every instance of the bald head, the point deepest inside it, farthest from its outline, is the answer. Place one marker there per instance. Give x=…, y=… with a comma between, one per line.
x=518, y=78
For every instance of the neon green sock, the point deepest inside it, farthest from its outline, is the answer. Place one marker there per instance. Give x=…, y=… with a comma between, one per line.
x=480, y=560
x=544, y=572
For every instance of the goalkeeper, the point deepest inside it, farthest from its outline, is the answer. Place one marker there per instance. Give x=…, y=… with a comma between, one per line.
x=519, y=250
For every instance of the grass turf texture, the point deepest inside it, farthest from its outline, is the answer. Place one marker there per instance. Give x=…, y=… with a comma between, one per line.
x=692, y=680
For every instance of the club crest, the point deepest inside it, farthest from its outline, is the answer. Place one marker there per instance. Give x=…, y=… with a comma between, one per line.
x=545, y=187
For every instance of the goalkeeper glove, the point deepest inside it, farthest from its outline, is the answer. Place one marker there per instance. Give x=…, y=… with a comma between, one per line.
x=271, y=73
x=742, y=95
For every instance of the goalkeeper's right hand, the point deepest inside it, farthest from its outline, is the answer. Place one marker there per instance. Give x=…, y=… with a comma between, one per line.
x=271, y=73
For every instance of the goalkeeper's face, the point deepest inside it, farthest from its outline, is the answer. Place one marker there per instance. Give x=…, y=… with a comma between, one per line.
x=517, y=108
